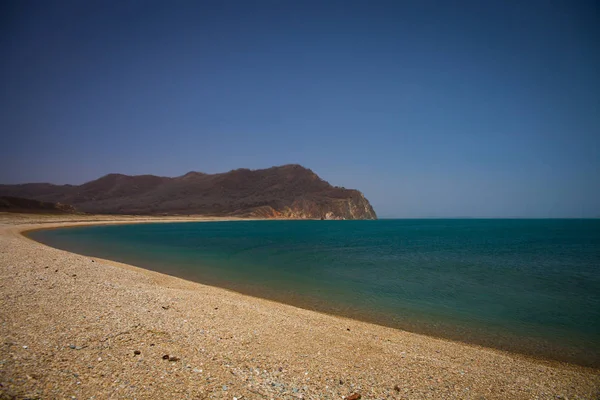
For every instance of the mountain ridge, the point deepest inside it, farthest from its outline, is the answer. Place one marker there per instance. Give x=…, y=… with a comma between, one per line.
x=287, y=191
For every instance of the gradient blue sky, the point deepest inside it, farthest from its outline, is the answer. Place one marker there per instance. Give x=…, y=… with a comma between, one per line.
x=431, y=108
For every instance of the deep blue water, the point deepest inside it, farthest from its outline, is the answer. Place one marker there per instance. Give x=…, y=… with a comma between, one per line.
x=531, y=286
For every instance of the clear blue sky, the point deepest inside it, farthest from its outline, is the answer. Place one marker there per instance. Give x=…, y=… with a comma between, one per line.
x=431, y=108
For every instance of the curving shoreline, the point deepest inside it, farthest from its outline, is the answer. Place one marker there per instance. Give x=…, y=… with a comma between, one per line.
x=296, y=293
x=88, y=317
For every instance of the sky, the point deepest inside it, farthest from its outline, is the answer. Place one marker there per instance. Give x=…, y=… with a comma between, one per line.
x=430, y=108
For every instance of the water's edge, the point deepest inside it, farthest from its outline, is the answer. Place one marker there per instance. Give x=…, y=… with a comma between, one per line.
x=537, y=349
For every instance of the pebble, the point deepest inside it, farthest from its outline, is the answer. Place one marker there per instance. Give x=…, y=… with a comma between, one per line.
x=353, y=396
x=137, y=352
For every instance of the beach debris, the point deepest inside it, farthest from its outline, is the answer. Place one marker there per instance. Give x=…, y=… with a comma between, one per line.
x=353, y=396
x=137, y=352
x=225, y=387
x=348, y=329
x=165, y=357
x=93, y=261
x=396, y=388
x=341, y=382
x=25, y=347
x=173, y=358
x=165, y=307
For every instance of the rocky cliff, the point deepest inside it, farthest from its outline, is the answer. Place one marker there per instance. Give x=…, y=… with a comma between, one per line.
x=289, y=191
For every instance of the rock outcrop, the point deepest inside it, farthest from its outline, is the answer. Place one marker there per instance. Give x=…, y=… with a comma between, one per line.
x=289, y=191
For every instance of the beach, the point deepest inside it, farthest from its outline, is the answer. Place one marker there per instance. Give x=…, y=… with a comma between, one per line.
x=79, y=327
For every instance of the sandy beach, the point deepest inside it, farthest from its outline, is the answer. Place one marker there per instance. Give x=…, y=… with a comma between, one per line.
x=75, y=327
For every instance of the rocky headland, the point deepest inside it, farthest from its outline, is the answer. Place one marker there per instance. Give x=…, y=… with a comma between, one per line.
x=289, y=191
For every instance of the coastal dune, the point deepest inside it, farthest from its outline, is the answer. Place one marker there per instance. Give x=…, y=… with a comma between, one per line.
x=79, y=327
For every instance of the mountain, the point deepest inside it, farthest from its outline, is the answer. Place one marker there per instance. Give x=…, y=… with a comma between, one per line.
x=21, y=205
x=288, y=191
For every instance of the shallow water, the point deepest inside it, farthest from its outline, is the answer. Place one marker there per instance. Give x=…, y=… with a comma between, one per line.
x=531, y=286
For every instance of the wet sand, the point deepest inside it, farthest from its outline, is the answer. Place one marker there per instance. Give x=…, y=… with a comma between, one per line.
x=71, y=326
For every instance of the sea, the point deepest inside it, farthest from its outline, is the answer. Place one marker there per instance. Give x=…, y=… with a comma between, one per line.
x=526, y=286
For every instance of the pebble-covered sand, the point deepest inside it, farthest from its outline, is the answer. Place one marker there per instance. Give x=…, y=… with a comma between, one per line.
x=73, y=327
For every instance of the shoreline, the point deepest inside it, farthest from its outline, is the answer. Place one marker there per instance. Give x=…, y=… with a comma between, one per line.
x=241, y=333
x=539, y=349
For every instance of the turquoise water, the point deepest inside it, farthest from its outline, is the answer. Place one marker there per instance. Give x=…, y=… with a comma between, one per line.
x=531, y=286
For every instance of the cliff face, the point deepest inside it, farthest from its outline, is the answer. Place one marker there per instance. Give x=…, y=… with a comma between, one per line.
x=289, y=191
x=355, y=207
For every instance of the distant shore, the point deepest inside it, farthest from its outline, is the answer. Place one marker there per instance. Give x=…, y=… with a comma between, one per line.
x=73, y=325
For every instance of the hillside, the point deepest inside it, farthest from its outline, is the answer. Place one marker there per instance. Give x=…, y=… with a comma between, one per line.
x=21, y=205
x=289, y=191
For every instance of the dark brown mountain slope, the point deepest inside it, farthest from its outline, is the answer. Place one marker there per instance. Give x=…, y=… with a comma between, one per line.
x=289, y=191
x=20, y=205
